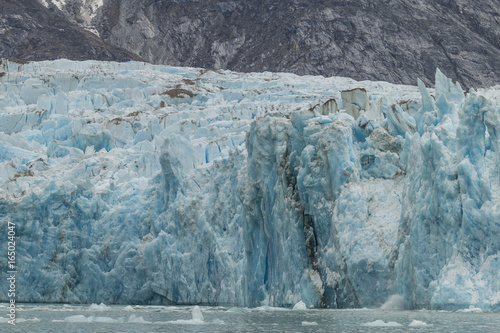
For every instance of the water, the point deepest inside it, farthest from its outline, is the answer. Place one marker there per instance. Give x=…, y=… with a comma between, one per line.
x=110, y=319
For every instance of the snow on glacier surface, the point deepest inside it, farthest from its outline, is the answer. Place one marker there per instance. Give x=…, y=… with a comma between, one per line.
x=134, y=183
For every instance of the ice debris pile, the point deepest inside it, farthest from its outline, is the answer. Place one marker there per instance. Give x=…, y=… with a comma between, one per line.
x=134, y=183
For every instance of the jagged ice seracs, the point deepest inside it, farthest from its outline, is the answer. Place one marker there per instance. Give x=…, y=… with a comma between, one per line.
x=133, y=183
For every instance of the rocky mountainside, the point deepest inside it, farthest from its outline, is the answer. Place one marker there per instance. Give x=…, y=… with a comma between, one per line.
x=31, y=31
x=391, y=40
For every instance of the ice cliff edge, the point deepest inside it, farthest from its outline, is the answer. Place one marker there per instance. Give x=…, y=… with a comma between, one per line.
x=135, y=183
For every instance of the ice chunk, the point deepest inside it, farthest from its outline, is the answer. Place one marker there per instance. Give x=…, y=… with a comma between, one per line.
x=428, y=103
x=446, y=88
x=418, y=323
x=196, y=314
x=121, y=131
x=327, y=107
x=60, y=103
x=309, y=323
x=99, y=307
x=76, y=319
x=399, y=122
x=354, y=101
x=23, y=320
x=381, y=323
x=300, y=306
x=471, y=310
x=32, y=88
x=108, y=320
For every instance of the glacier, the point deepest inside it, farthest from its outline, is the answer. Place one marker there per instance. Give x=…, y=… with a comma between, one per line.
x=135, y=183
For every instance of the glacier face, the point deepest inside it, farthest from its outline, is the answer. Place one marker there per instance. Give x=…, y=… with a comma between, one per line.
x=135, y=183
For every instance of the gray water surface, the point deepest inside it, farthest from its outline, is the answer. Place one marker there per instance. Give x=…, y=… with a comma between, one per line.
x=137, y=319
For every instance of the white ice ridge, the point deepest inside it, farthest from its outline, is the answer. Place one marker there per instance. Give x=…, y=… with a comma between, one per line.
x=132, y=183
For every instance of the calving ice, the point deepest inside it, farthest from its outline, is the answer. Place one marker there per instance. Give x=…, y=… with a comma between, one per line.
x=134, y=183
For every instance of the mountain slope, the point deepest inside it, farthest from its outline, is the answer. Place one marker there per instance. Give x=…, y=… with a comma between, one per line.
x=30, y=31
x=391, y=40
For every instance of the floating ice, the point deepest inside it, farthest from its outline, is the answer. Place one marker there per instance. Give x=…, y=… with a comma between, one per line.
x=471, y=310
x=418, y=323
x=381, y=323
x=309, y=323
x=196, y=314
x=93, y=319
x=24, y=320
x=98, y=319
x=99, y=307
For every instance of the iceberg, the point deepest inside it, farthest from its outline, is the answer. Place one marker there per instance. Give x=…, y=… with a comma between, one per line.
x=132, y=183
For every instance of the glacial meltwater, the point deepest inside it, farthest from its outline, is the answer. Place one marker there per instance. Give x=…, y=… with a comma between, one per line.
x=94, y=318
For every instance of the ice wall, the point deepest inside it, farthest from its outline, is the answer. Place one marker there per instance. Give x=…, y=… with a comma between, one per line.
x=134, y=183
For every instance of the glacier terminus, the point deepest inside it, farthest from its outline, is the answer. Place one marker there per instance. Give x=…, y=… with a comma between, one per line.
x=132, y=183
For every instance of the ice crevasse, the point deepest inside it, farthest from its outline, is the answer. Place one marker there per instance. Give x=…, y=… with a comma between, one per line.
x=134, y=183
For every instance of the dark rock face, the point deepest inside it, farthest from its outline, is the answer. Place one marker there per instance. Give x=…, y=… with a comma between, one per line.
x=391, y=40
x=30, y=31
